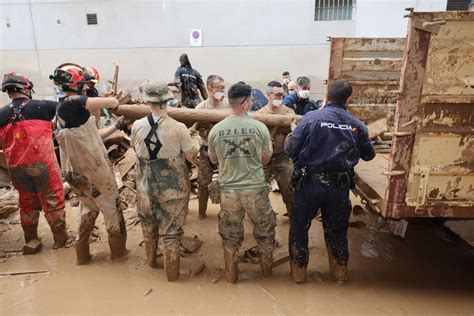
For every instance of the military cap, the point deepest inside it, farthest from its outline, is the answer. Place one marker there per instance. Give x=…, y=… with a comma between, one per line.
x=157, y=93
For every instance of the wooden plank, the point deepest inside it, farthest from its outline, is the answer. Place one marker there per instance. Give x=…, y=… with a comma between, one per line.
x=371, y=64
x=373, y=44
x=371, y=75
x=127, y=162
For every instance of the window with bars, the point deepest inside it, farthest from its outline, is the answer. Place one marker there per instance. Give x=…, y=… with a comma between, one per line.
x=92, y=19
x=334, y=10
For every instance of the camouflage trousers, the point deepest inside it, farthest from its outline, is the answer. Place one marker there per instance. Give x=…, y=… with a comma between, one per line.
x=164, y=221
x=205, y=171
x=163, y=196
x=255, y=202
x=281, y=167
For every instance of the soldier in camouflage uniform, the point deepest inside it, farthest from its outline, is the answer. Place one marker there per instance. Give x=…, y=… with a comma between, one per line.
x=242, y=145
x=216, y=101
x=280, y=166
x=162, y=146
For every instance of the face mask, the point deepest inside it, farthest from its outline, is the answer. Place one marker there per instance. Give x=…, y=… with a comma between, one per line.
x=287, y=81
x=173, y=102
x=276, y=102
x=218, y=95
x=304, y=94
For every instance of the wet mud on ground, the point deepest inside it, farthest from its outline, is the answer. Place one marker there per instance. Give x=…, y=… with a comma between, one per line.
x=430, y=272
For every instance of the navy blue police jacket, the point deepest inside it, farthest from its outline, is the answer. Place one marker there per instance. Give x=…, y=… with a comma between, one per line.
x=300, y=106
x=329, y=140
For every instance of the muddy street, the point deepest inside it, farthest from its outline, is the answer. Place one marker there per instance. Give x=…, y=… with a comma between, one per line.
x=430, y=272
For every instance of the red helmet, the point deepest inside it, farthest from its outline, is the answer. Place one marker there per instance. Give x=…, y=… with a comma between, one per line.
x=93, y=75
x=18, y=83
x=69, y=77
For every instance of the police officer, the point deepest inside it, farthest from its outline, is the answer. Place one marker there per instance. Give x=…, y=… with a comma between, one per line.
x=325, y=146
x=299, y=100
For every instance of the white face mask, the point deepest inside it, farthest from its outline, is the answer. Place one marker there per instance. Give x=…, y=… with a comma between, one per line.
x=304, y=94
x=287, y=81
x=276, y=102
x=219, y=95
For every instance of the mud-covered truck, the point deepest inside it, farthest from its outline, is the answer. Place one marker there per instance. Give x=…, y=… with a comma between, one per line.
x=424, y=84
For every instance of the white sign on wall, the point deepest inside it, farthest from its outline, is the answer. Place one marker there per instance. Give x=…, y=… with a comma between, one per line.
x=195, y=37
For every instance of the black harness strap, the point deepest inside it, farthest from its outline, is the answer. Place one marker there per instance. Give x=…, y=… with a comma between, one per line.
x=153, y=146
x=17, y=116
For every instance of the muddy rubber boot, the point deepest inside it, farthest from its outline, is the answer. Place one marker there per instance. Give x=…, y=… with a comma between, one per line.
x=30, y=232
x=171, y=263
x=266, y=259
x=298, y=274
x=338, y=271
x=231, y=267
x=203, y=196
x=32, y=242
x=150, y=250
x=59, y=235
x=83, y=255
x=117, y=246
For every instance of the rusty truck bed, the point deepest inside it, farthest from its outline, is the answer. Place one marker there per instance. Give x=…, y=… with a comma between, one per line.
x=430, y=169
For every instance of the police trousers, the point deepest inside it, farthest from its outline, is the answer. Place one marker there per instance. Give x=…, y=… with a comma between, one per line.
x=335, y=206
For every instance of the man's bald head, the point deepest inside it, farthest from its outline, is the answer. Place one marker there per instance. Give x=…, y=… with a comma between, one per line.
x=292, y=86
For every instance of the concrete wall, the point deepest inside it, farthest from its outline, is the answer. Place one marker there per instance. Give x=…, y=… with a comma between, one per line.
x=250, y=40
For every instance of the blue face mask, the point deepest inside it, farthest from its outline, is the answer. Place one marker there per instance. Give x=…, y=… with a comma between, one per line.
x=173, y=102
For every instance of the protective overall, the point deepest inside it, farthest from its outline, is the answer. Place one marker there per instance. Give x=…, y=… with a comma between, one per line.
x=163, y=194
x=86, y=167
x=325, y=146
x=34, y=172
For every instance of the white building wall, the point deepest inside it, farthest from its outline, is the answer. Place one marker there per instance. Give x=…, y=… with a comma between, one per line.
x=384, y=18
x=250, y=40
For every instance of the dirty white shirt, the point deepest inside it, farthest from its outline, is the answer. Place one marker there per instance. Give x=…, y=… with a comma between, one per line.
x=173, y=135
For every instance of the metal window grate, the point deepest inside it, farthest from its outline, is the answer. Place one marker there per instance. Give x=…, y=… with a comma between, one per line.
x=334, y=10
x=91, y=18
x=457, y=5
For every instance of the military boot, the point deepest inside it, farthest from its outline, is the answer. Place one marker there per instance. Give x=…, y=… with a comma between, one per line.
x=266, y=259
x=171, y=263
x=59, y=231
x=31, y=235
x=298, y=274
x=117, y=244
x=338, y=271
x=231, y=268
x=150, y=250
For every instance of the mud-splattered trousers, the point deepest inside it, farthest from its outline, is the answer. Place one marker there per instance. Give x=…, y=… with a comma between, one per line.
x=205, y=172
x=86, y=167
x=281, y=167
x=235, y=203
x=163, y=194
x=335, y=205
x=34, y=171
